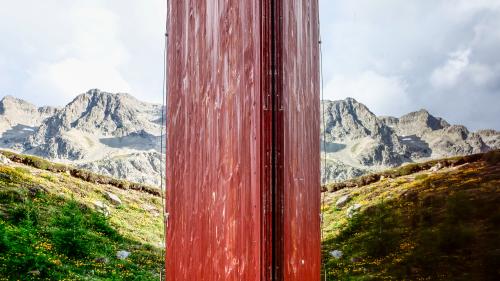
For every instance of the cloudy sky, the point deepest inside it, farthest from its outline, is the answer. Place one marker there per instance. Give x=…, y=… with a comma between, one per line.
x=398, y=56
x=52, y=50
x=395, y=56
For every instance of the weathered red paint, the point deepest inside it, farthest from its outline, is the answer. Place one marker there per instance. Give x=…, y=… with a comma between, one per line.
x=243, y=141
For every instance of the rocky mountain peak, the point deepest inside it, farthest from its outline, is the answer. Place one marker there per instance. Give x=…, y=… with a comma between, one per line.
x=94, y=122
x=97, y=98
x=361, y=141
x=490, y=137
x=107, y=114
x=488, y=132
x=349, y=119
x=12, y=104
x=358, y=137
x=415, y=123
x=110, y=133
x=17, y=115
x=119, y=135
x=423, y=118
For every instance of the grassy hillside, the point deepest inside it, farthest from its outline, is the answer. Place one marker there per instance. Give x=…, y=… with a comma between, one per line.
x=428, y=221
x=53, y=226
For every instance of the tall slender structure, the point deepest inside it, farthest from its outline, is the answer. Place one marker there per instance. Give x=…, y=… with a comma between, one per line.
x=243, y=164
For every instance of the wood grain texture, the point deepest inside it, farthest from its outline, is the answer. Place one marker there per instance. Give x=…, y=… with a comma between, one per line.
x=301, y=143
x=220, y=125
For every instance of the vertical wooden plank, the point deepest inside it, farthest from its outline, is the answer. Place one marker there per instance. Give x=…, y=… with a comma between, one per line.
x=214, y=141
x=267, y=141
x=301, y=148
x=243, y=141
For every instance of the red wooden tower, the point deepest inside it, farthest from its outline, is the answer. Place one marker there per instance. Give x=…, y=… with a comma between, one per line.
x=243, y=164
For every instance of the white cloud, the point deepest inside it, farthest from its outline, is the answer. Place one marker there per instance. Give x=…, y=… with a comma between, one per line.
x=393, y=55
x=90, y=58
x=58, y=49
x=459, y=72
x=481, y=74
x=470, y=7
x=412, y=46
x=382, y=94
x=66, y=78
x=447, y=75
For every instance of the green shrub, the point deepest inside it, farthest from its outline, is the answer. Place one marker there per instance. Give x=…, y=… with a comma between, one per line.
x=20, y=254
x=36, y=162
x=10, y=195
x=49, y=177
x=492, y=157
x=454, y=234
x=494, y=217
x=458, y=208
x=98, y=222
x=58, y=168
x=374, y=233
x=421, y=177
x=77, y=173
x=381, y=234
x=367, y=179
x=454, y=237
x=70, y=232
x=12, y=176
x=24, y=211
x=46, y=237
x=409, y=169
x=3, y=239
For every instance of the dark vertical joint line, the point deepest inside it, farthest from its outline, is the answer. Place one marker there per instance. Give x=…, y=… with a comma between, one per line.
x=273, y=141
x=267, y=194
x=276, y=177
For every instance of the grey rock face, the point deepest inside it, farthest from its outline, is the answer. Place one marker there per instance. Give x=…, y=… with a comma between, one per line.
x=490, y=137
x=119, y=136
x=417, y=123
x=151, y=209
x=20, y=119
x=122, y=254
x=104, y=260
x=17, y=111
x=436, y=167
x=342, y=201
x=143, y=167
x=353, y=210
x=351, y=124
x=336, y=170
x=113, y=198
x=102, y=208
x=337, y=254
x=357, y=141
x=112, y=134
x=94, y=119
x=4, y=160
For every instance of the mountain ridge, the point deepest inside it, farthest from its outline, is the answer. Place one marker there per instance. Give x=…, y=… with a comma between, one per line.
x=364, y=142
x=119, y=135
x=92, y=130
